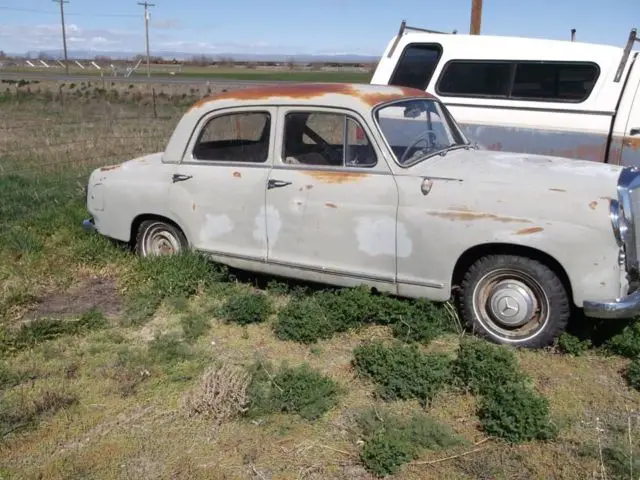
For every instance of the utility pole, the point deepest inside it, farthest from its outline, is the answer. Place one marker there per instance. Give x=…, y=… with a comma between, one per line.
x=64, y=35
x=146, y=30
x=476, y=17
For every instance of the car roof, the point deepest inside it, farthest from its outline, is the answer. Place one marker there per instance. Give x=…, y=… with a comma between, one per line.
x=350, y=95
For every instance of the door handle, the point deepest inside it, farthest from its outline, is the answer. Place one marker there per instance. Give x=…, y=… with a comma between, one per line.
x=272, y=183
x=180, y=177
x=634, y=131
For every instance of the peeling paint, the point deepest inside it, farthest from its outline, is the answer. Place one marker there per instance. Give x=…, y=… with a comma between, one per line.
x=308, y=187
x=267, y=226
x=237, y=175
x=215, y=226
x=593, y=205
x=377, y=236
x=558, y=190
x=193, y=207
x=335, y=177
x=110, y=167
x=331, y=205
x=466, y=215
x=631, y=142
x=529, y=231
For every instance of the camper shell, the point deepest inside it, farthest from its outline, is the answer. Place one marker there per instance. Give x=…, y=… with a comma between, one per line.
x=552, y=97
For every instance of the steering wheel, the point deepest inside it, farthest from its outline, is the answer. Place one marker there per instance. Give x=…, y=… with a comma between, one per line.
x=324, y=145
x=416, y=141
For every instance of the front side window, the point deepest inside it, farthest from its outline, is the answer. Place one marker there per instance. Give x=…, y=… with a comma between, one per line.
x=326, y=139
x=235, y=137
x=416, y=129
x=416, y=66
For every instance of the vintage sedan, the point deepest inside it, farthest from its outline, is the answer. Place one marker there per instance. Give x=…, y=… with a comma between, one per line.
x=350, y=184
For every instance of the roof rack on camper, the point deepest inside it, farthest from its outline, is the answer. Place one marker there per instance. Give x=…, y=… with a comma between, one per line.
x=633, y=37
x=404, y=27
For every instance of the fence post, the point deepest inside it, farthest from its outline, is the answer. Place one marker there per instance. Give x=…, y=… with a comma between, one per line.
x=61, y=96
x=153, y=97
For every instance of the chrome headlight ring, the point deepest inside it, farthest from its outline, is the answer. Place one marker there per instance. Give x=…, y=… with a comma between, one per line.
x=618, y=222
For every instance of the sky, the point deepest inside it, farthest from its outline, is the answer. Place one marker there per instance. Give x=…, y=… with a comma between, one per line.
x=291, y=27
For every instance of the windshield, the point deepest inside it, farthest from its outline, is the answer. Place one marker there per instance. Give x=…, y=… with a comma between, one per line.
x=416, y=129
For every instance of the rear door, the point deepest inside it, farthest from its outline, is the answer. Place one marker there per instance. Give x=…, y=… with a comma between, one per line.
x=218, y=190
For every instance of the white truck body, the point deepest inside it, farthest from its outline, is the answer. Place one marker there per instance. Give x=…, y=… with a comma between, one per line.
x=526, y=95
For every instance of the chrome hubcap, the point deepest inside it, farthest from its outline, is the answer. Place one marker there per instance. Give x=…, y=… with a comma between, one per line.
x=159, y=241
x=510, y=304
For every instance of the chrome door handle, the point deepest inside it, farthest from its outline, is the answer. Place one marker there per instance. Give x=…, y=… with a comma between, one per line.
x=179, y=177
x=272, y=183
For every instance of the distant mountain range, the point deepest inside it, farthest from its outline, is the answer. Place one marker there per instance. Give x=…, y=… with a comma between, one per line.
x=273, y=57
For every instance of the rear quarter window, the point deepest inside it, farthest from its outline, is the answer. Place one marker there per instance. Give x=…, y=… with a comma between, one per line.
x=416, y=65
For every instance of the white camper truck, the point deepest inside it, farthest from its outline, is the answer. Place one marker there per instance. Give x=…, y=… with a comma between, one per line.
x=553, y=97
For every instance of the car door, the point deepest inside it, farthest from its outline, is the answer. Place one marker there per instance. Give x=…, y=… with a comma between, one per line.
x=218, y=189
x=331, y=198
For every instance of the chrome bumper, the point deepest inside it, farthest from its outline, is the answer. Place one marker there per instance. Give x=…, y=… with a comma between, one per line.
x=88, y=225
x=626, y=307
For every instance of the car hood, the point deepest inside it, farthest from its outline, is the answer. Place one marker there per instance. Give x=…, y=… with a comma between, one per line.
x=535, y=172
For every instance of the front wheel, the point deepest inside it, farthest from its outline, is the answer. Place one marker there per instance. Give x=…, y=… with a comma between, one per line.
x=514, y=300
x=156, y=237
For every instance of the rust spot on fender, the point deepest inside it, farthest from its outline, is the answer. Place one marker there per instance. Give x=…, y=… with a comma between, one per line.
x=529, y=231
x=308, y=187
x=237, y=175
x=331, y=205
x=109, y=167
x=557, y=190
x=593, y=205
x=308, y=91
x=336, y=177
x=193, y=207
x=466, y=215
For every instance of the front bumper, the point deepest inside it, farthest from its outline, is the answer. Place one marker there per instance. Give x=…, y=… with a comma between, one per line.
x=88, y=224
x=625, y=307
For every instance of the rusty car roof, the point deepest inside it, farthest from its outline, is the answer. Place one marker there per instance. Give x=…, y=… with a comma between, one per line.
x=333, y=94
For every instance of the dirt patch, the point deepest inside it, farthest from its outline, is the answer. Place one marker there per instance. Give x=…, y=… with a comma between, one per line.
x=98, y=293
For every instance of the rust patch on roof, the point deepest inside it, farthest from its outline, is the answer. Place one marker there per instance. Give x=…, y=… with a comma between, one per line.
x=529, y=231
x=331, y=205
x=466, y=215
x=307, y=91
x=237, y=175
x=335, y=177
x=109, y=167
x=558, y=190
x=593, y=205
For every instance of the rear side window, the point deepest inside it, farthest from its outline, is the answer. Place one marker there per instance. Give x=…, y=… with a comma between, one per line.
x=416, y=66
x=476, y=78
x=535, y=81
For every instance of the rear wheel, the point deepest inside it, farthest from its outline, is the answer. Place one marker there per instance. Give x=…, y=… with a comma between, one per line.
x=514, y=300
x=157, y=237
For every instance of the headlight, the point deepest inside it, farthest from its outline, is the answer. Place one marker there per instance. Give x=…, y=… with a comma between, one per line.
x=618, y=222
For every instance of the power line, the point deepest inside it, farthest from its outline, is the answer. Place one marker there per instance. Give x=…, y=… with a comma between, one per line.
x=146, y=30
x=85, y=14
x=64, y=35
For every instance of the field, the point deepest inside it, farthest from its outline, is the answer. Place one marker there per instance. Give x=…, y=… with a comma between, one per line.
x=115, y=367
x=213, y=73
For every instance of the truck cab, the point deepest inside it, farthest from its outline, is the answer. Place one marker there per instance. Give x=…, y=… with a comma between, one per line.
x=551, y=97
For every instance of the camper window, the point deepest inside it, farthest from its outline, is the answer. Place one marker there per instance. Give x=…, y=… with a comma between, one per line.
x=416, y=66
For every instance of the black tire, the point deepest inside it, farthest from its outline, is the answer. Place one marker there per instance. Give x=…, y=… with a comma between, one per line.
x=169, y=239
x=508, y=315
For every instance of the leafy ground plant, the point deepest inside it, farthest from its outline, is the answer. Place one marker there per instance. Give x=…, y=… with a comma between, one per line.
x=309, y=318
x=296, y=390
x=516, y=413
x=480, y=366
x=626, y=343
x=246, y=308
x=392, y=440
x=403, y=372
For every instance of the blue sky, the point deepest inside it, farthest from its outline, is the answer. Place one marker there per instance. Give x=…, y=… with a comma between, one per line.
x=296, y=26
